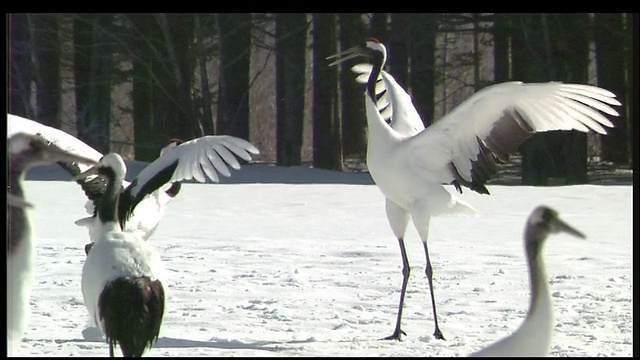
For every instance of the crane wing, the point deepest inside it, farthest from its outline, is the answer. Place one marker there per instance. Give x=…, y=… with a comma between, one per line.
x=463, y=146
x=194, y=159
x=93, y=185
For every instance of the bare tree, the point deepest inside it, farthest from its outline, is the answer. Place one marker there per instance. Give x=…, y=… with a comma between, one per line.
x=379, y=26
x=552, y=47
x=327, y=147
x=291, y=39
x=201, y=54
x=92, y=69
x=398, y=47
x=20, y=66
x=501, y=30
x=613, y=38
x=422, y=52
x=234, y=32
x=161, y=46
x=353, y=118
x=143, y=54
x=46, y=50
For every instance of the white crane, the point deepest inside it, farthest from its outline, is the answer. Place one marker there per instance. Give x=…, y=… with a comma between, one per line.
x=123, y=279
x=533, y=337
x=462, y=148
x=24, y=151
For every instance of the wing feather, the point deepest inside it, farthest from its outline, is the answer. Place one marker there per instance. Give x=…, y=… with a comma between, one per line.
x=197, y=158
x=500, y=118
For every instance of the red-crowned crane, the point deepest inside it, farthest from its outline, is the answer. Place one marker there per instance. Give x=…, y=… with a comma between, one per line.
x=462, y=148
x=123, y=279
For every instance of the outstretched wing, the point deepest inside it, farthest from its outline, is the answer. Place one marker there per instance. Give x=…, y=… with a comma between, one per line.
x=465, y=144
x=66, y=142
x=93, y=186
x=194, y=159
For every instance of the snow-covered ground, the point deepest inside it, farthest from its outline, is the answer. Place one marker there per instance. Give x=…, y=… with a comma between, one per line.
x=305, y=264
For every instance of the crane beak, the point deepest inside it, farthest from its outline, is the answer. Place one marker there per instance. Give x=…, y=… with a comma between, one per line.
x=561, y=226
x=16, y=201
x=90, y=171
x=347, y=55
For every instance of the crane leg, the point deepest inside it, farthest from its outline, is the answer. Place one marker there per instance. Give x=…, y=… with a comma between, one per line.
x=429, y=272
x=406, y=270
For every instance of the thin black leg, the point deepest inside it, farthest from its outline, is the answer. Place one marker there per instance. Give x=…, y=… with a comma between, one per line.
x=406, y=270
x=429, y=271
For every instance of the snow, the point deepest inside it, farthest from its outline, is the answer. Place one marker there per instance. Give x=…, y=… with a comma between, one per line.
x=302, y=262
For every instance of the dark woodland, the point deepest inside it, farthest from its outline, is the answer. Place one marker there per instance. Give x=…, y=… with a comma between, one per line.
x=130, y=82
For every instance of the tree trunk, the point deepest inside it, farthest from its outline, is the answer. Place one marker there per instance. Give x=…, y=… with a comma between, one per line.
x=379, y=27
x=530, y=64
x=46, y=46
x=397, y=47
x=571, y=50
x=163, y=75
x=501, y=58
x=354, y=122
x=556, y=45
x=613, y=38
x=175, y=108
x=207, y=99
x=327, y=149
x=142, y=94
x=422, y=52
x=92, y=71
x=20, y=66
x=291, y=36
x=233, y=82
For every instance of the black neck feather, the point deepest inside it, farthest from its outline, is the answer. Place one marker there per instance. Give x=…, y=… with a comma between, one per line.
x=373, y=77
x=109, y=201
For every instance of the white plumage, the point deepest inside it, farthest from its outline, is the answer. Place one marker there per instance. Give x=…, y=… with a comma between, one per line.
x=134, y=256
x=410, y=165
x=533, y=337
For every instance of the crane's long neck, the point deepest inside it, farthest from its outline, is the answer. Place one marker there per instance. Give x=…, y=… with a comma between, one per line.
x=381, y=136
x=108, y=210
x=17, y=171
x=377, y=64
x=19, y=223
x=541, y=303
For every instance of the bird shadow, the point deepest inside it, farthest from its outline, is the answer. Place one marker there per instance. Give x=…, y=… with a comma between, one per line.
x=169, y=342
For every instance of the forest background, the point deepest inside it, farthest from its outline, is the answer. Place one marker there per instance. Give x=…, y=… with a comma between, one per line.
x=128, y=83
